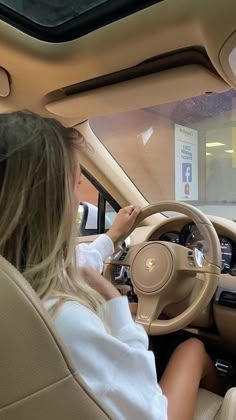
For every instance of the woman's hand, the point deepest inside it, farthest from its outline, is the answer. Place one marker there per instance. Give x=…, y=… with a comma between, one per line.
x=123, y=222
x=99, y=283
x=103, y=286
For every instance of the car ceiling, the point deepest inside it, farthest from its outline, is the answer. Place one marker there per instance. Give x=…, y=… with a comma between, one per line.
x=38, y=71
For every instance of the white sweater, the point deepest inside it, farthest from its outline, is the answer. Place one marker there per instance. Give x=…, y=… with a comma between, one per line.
x=117, y=367
x=92, y=255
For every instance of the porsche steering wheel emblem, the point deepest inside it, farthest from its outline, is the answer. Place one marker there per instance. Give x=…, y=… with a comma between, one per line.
x=150, y=264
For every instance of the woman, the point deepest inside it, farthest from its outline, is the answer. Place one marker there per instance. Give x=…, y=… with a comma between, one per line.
x=39, y=185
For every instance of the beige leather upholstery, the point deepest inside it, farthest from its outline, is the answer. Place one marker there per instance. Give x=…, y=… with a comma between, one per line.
x=228, y=408
x=208, y=405
x=38, y=381
x=212, y=407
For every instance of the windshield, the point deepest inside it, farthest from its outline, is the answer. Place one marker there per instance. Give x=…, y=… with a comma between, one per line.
x=184, y=150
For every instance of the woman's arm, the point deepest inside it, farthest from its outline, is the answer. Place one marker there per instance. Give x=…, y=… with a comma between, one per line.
x=92, y=255
x=117, y=366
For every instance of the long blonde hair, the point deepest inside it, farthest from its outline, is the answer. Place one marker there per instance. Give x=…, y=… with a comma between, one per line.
x=37, y=210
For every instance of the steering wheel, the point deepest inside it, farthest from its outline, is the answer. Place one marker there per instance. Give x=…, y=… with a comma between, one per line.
x=164, y=272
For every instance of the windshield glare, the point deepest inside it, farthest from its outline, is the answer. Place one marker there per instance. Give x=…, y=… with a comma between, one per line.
x=184, y=150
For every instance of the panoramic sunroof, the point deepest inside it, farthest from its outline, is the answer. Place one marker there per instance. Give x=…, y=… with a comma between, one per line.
x=63, y=20
x=51, y=13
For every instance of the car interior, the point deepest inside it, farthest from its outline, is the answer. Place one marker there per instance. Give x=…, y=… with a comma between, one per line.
x=151, y=87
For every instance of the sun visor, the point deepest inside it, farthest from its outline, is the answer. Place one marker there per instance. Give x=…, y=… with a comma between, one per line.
x=159, y=88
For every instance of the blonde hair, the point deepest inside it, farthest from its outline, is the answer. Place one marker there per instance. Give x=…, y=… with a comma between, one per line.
x=37, y=206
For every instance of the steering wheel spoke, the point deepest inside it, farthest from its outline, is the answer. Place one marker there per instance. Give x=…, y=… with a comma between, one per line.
x=149, y=308
x=191, y=261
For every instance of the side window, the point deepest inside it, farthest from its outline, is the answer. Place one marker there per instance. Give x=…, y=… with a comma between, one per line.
x=110, y=215
x=97, y=209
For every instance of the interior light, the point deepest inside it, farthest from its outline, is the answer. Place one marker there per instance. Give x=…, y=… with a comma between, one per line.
x=215, y=144
x=229, y=151
x=208, y=154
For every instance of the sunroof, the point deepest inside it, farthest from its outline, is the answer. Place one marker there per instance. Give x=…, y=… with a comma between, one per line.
x=63, y=20
x=51, y=13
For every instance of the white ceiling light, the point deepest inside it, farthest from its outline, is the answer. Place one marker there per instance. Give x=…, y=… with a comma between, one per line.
x=215, y=144
x=229, y=151
x=208, y=154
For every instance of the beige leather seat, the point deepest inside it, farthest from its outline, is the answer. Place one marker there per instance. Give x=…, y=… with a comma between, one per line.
x=38, y=380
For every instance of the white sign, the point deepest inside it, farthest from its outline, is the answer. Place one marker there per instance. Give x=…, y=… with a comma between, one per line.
x=186, y=163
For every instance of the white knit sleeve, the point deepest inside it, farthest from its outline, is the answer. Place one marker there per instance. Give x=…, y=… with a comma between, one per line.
x=92, y=255
x=117, y=367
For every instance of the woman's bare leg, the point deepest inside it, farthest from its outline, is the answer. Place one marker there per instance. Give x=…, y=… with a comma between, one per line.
x=188, y=367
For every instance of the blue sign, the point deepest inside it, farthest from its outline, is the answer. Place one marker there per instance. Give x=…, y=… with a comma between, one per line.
x=186, y=172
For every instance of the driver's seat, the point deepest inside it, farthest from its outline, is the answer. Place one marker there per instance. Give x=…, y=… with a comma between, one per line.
x=38, y=380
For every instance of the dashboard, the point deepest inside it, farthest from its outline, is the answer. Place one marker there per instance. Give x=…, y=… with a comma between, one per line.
x=189, y=236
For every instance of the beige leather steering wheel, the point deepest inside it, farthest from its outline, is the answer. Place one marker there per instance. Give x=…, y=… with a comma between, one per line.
x=164, y=272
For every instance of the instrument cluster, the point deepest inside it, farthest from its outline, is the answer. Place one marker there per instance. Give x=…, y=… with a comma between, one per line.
x=190, y=237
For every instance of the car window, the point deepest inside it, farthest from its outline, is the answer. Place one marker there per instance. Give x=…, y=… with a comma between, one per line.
x=184, y=150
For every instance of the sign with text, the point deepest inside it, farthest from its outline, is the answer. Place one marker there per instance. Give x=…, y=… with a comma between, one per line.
x=186, y=163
